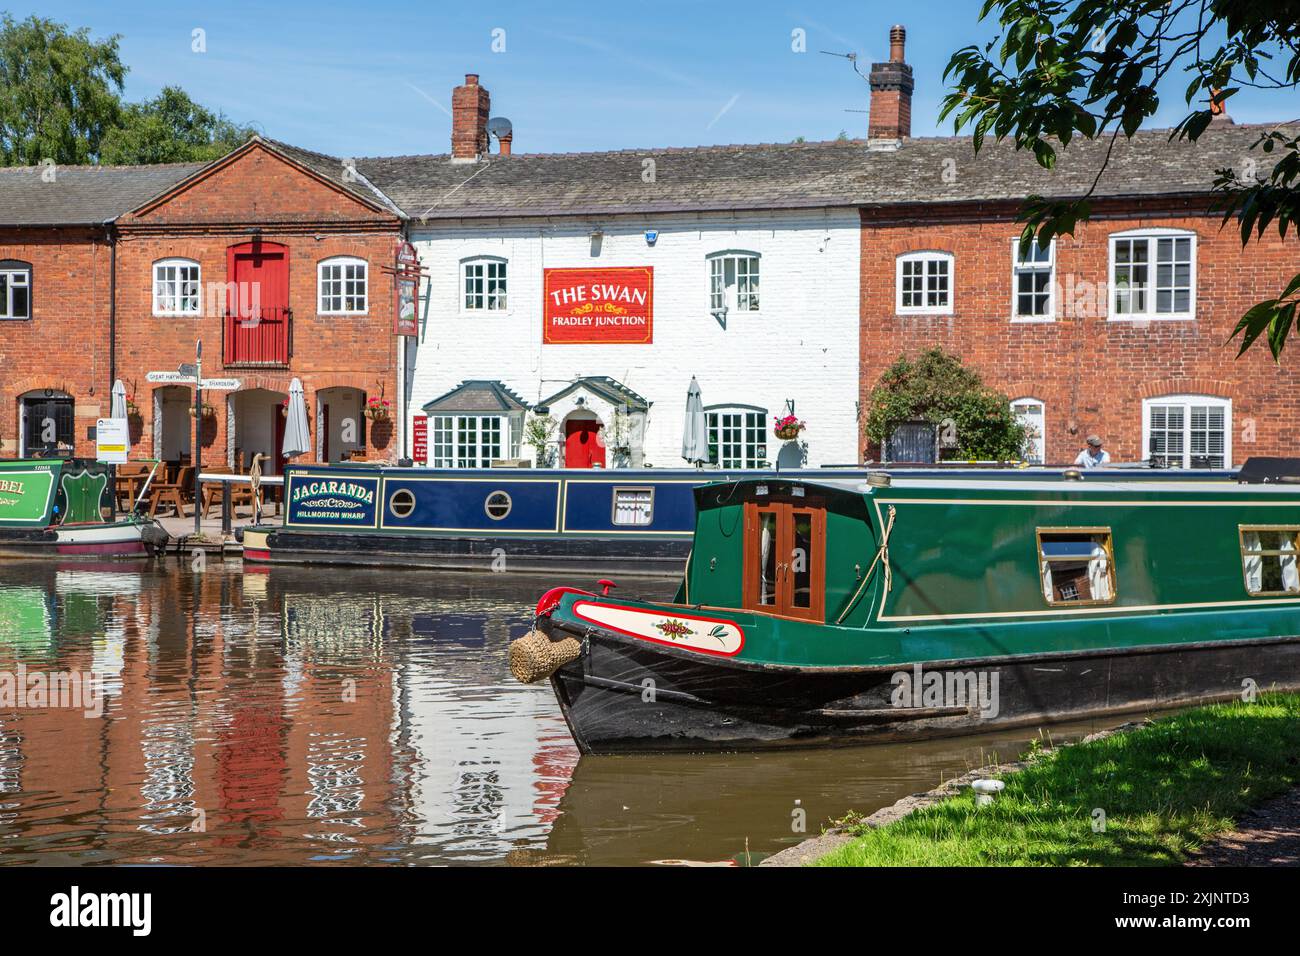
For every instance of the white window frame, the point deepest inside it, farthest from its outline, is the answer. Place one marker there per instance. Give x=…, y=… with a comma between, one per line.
x=195, y=299
x=724, y=298
x=1188, y=401
x=12, y=274
x=1150, y=314
x=497, y=303
x=448, y=432
x=1041, y=440
x=342, y=263
x=925, y=257
x=752, y=437
x=1019, y=268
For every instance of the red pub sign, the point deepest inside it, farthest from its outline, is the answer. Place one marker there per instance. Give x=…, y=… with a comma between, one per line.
x=598, y=306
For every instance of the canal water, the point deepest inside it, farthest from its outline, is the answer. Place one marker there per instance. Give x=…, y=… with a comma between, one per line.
x=353, y=716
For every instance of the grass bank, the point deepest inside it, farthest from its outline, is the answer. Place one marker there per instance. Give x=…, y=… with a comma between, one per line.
x=1163, y=789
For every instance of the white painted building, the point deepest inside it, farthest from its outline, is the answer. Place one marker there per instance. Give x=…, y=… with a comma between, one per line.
x=761, y=307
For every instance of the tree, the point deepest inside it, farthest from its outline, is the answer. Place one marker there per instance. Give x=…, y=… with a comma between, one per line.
x=937, y=388
x=1094, y=68
x=171, y=128
x=58, y=92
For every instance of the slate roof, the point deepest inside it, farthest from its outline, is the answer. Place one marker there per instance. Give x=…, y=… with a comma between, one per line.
x=613, y=391
x=334, y=169
x=799, y=175
x=82, y=195
x=477, y=395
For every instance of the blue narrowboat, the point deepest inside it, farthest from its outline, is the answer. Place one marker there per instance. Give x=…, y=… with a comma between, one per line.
x=604, y=521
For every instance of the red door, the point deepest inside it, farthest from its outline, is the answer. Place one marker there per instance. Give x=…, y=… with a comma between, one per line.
x=582, y=445
x=257, y=305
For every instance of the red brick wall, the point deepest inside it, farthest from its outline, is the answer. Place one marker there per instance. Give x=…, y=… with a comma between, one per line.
x=64, y=346
x=1092, y=373
x=314, y=221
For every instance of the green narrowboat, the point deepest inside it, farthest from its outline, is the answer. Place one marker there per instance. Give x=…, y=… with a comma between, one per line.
x=62, y=507
x=835, y=611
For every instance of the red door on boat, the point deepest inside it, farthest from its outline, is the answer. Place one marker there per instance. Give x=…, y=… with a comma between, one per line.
x=583, y=447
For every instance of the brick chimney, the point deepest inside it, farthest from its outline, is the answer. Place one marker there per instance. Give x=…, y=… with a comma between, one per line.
x=891, y=94
x=469, y=115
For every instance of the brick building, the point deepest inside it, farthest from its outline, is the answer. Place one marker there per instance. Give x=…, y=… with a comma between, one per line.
x=272, y=256
x=1120, y=329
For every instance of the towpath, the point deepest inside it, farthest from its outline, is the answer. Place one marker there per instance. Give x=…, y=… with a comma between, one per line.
x=1269, y=835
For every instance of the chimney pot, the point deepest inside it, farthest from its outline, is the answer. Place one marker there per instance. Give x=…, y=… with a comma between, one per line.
x=897, y=38
x=471, y=79
x=505, y=143
x=891, y=82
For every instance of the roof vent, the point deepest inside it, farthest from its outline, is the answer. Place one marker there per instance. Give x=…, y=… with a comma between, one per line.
x=879, y=479
x=1072, y=474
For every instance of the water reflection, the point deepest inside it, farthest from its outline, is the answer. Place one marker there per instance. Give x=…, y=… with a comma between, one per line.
x=297, y=716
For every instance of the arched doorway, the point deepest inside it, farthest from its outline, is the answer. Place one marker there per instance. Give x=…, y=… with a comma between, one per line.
x=584, y=445
x=47, y=420
x=340, y=422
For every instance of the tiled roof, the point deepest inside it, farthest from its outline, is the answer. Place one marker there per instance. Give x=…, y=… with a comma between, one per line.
x=613, y=391
x=335, y=170
x=799, y=175
x=477, y=395
x=82, y=195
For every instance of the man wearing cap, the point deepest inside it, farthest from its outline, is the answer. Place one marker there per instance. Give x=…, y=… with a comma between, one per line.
x=1094, y=456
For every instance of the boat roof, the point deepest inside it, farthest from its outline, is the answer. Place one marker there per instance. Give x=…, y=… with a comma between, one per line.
x=968, y=483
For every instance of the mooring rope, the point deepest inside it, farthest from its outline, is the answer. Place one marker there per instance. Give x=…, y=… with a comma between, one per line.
x=882, y=557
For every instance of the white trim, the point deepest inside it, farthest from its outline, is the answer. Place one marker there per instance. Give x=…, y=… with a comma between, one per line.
x=748, y=450
x=485, y=309
x=1017, y=266
x=731, y=296
x=1150, y=315
x=1187, y=401
x=176, y=262
x=1042, y=423
x=924, y=255
x=342, y=261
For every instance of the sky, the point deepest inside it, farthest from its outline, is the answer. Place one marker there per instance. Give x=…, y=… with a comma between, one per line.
x=374, y=77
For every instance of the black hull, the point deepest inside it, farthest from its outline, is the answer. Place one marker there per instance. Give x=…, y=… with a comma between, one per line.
x=707, y=704
x=582, y=555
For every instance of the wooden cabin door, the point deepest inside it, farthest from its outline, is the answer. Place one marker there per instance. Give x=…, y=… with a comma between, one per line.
x=785, y=559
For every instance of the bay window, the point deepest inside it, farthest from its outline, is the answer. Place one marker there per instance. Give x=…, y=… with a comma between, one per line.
x=467, y=441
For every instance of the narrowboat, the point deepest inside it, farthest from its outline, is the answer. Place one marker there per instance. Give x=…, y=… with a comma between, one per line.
x=850, y=610
x=62, y=507
x=624, y=521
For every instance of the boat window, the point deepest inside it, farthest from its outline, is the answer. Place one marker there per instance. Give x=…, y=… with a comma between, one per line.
x=497, y=505
x=800, y=568
x=1077, y=565
x=767, y=558
x=1268, y=558
x=402, y=503
x=634, y=506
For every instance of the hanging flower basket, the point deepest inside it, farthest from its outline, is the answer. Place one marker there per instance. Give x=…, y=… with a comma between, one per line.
x=208, y=410
x=787, y=427
x=378, y=409
x=132, y=409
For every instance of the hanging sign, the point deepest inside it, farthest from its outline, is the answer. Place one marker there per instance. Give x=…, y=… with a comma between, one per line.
x=406, y=280
x=420, y=439
x=112, y=440
x=598, y=306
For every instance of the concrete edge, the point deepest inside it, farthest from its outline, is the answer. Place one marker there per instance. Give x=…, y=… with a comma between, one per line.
x=816, y=847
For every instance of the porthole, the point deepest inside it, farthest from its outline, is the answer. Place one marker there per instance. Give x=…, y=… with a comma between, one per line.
x=402, y=503
x=497, y=505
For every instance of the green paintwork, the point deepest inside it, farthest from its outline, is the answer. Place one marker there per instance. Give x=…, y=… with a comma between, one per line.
x=965, y=578
x=83, y=494
x=27, y=491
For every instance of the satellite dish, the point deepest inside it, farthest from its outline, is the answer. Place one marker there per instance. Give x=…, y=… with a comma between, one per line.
x=499, y=126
